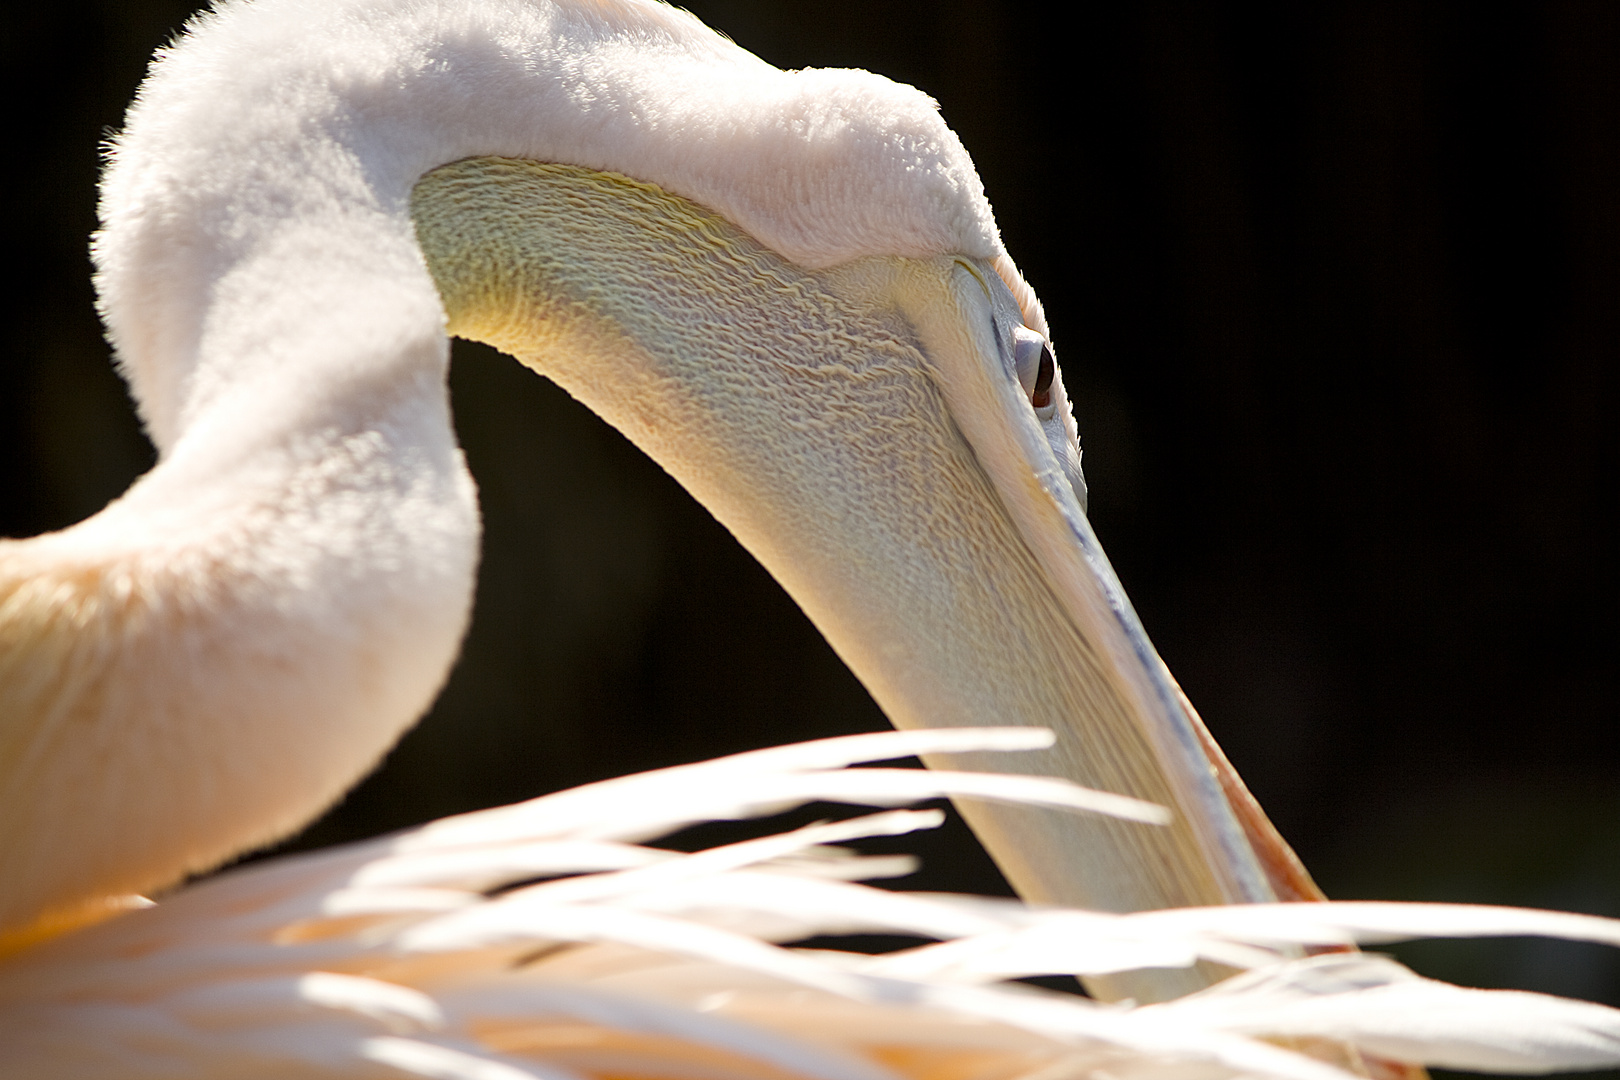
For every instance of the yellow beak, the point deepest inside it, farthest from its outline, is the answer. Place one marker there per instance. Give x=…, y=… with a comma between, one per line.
x=864, y=432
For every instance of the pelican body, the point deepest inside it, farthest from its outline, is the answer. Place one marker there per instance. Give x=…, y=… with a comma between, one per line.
x=787, y=288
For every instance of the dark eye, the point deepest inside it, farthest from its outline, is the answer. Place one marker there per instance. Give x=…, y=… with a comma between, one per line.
x=1036, y=369
x=1042, y=397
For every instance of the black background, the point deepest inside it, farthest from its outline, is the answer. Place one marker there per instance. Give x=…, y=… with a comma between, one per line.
x=1334, y=287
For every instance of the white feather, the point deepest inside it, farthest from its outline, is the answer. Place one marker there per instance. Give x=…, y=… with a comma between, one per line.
x=1381, y=1008
x=393, y=958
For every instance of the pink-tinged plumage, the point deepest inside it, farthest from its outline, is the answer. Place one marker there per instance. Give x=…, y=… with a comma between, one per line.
x=546, y=939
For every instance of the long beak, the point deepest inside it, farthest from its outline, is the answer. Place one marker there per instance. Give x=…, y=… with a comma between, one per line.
x=863, y=431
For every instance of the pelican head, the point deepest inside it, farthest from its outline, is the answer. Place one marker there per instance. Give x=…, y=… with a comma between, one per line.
x=786, y=287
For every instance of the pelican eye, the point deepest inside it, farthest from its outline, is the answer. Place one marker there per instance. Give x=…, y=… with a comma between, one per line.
x=1032, y=359
x=1042, y=397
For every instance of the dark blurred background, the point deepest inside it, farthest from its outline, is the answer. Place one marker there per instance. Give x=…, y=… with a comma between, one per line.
x=1334, y=288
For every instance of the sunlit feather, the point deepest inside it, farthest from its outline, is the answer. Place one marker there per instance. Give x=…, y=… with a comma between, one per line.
x=438, y=953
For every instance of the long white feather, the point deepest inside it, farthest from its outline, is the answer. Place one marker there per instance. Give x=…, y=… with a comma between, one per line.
x=1384, y=1009
x=414, y=955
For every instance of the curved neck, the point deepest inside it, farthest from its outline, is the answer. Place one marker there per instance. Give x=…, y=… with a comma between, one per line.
x=265, y=611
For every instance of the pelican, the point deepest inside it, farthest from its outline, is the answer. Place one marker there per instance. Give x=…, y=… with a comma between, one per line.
x=787, y=288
